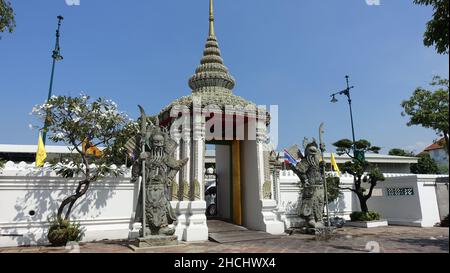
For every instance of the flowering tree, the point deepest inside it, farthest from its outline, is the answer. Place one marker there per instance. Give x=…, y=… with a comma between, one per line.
x=79, y=122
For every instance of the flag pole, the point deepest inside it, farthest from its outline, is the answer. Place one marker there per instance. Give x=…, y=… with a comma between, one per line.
x=56, y=56
x=322, y=149
x=143, y=134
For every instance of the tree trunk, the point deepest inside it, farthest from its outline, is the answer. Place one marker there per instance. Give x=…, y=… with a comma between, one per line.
x=81, y=190
x=363, y=204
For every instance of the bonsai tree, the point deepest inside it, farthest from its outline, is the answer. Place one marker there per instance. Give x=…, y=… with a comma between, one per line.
x=360, y=168
x=83, y=125
x=333, y=190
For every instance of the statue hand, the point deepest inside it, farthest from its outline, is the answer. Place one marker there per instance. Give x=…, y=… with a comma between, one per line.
x=322, y=147
x=143, y=155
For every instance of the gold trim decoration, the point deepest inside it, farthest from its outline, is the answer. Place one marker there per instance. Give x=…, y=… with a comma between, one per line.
x=237, y=196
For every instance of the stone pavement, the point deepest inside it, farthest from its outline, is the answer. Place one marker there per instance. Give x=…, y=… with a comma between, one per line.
x=392, y=239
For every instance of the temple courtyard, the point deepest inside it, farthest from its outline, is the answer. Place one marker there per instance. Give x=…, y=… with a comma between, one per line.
x=391, y=239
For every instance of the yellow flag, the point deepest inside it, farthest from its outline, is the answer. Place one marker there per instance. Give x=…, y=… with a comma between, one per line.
x=335, y=165
x=41, y=154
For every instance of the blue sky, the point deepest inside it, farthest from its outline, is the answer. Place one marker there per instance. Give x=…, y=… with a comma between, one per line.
x=291, y=53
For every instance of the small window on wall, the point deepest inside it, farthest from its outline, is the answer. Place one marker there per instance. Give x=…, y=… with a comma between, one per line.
x=400, y=191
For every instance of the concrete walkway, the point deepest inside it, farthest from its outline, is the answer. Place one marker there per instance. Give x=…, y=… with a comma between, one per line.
x=390, y=239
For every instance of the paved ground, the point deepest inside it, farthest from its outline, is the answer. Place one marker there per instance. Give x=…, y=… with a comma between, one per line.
x=387, y=239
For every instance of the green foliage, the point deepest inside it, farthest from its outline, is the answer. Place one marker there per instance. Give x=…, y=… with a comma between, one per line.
x=72, y=120
x=437, y=28
x=425, y=165
x=362, y=144
x=443, y=168
x=355, y=167
x=2, y=163
x=63, y=231
x=364, y=216
x=7, y=22
x=360, y=168
x=374, y=174
x=401, y=152
x=430, y=109
x=333, y=189
x=78, y=121
x=343, y=146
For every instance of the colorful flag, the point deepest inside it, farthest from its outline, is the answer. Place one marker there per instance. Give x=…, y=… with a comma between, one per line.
x=335, y=165
x=90, y=149
x=289, y=159
x=41, y=154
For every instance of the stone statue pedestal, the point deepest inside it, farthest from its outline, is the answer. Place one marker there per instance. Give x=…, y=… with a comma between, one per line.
x=149, y=242
x=322, y=233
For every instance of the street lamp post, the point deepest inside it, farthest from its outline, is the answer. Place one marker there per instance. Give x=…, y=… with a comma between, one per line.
x=56, y=56
x=346, y=92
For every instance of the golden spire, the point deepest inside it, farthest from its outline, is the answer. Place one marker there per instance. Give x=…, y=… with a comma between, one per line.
x=211, y=18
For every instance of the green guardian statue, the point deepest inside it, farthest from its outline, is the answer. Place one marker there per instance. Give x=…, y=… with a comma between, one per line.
x=310, y=173
x=158, y=167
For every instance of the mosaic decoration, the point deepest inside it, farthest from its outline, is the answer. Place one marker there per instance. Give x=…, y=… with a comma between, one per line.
x=400, y=191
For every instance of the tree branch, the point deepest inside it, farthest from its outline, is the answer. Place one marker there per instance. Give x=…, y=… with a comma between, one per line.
x=347, y=188
x=372, y=186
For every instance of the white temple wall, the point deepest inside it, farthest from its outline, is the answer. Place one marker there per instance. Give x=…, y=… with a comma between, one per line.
x=250, y=186
x=257, y=213
x=106, y=211
x=419, y=209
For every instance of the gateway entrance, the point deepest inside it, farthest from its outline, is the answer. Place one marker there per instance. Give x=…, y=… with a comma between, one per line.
x=245, y=189
x=228, y=197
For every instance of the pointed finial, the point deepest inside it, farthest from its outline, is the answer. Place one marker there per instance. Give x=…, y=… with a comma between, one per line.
x=211, y=18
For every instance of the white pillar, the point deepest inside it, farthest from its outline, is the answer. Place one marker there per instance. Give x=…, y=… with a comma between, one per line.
x=185, y=173
x=182, y=211
x=268, y=207
x=197, y=229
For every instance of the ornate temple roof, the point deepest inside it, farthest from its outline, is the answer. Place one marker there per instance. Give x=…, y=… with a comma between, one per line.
x=212, y=81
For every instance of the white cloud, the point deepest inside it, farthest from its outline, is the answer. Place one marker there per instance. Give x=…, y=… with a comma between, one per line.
x=418, y=146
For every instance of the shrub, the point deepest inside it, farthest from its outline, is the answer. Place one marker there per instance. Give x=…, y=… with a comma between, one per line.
x=444, y=223
x=364, y=216
x=63, y=231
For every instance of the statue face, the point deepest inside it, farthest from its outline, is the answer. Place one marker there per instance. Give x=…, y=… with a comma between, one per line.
x=158, y=141
x=311, y=150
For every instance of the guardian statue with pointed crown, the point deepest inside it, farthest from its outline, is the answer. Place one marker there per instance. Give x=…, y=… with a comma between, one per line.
x=158, y=167
x=310, y=172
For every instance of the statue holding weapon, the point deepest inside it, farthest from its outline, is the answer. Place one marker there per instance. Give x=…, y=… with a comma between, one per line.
x=158, y=168
x=310, y=172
